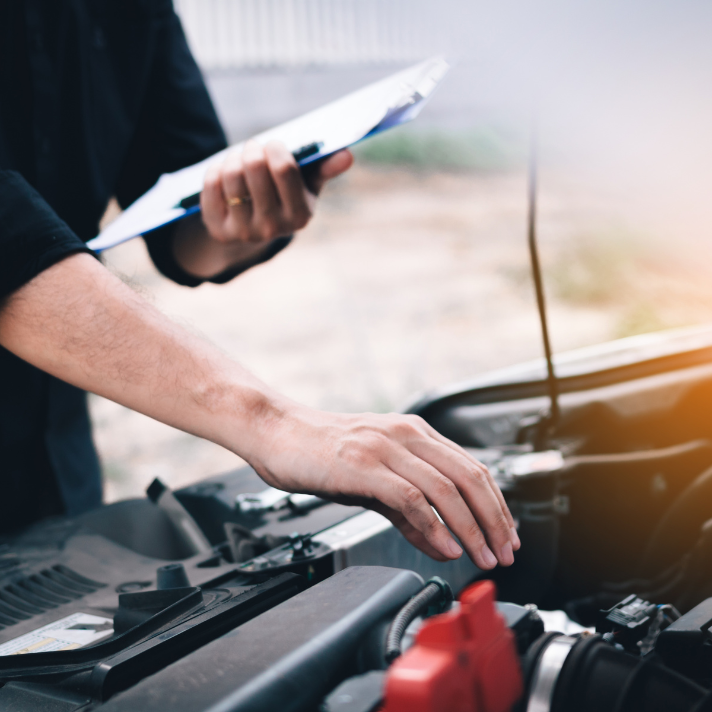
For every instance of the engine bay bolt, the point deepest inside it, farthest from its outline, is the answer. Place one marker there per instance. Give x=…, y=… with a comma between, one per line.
x=301, y=546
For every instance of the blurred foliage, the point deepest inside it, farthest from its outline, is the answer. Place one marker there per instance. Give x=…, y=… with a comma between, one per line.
x=646, y=284
x=641, y=317
x=482, y=149
x=593, y=270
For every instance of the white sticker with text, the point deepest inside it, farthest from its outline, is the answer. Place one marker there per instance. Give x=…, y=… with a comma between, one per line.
x=75, y=631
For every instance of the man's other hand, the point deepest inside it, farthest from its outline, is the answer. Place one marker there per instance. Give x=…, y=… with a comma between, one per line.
x=258, y=194
x=397, y=465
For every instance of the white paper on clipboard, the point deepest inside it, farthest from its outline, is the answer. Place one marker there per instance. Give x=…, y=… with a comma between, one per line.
x=379, y=106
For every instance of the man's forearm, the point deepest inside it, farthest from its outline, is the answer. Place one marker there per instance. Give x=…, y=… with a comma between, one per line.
x=80, y=323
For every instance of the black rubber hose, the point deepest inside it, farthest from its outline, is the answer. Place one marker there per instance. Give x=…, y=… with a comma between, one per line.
x=435, y=592
x=680, y=526
x=597, y=677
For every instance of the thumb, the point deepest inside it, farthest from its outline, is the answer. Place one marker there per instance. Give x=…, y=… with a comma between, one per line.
x=316, y=175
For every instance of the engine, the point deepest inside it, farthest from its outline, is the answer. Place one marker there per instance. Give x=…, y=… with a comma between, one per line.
x=227, y=596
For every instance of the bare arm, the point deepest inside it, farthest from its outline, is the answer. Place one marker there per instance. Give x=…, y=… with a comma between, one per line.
x=78, y=322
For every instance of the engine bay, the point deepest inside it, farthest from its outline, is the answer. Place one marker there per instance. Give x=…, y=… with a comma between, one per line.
x=229, y=595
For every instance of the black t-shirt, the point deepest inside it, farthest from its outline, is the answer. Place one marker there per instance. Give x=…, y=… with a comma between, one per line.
x=98, y=98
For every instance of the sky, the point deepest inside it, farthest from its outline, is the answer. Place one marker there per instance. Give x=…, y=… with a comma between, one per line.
x=621, y=90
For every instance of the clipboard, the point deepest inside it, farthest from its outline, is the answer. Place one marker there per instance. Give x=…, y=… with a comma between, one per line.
x=377, y=107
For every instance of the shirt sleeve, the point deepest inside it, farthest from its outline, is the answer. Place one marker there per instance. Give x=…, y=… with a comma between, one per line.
x=32, y=236
x=161, y=250
x=178, y=127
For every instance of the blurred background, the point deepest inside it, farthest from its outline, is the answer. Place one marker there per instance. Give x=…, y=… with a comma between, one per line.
x=414, y=272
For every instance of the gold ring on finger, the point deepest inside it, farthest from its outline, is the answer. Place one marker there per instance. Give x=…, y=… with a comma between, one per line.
x=232, y=202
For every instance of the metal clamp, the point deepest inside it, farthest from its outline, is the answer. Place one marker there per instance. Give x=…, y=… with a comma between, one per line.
x=547, y=672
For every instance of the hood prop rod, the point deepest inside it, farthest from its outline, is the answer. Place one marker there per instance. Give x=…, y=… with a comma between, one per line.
x=546, y=423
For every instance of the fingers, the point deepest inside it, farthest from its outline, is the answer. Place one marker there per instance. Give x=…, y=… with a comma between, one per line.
x=279, y=202
x=516, y=544
x=443, y=494
x=265, y=199
x=469, y=487
x=409, y=532
x=212, y=202
x=336, y=164
x=329, y=168
x=284, y=170
x=461, y=489
x=429, y=430
x=234, y=185
x=408, y=501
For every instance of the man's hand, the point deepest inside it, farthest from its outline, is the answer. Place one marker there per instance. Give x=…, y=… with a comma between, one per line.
x=396, y=465
x=254, y=196
x=258, y=194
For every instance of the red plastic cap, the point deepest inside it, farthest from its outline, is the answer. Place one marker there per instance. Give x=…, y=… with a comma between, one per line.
x=462, y=661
